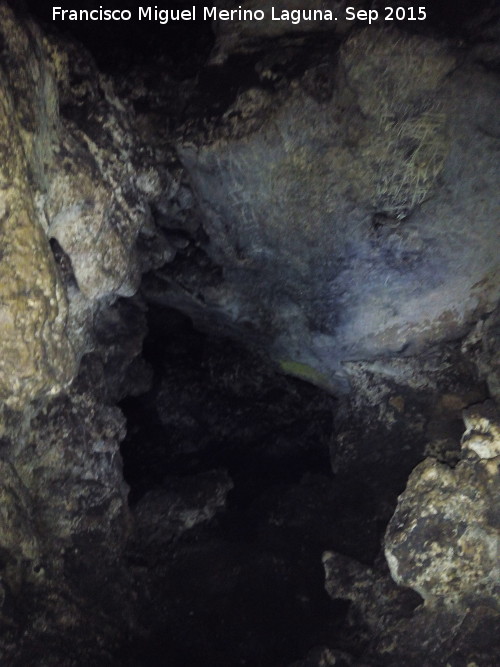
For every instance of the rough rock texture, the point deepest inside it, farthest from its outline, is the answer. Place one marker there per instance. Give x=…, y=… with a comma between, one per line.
x=68, y=229
x=444, y=539
x=68, y=176
x=482, y=345
x=36, y=353
x=65, y=521
x=328, y=198
x=386, y=625
x=399, y=411
x=339, y=204
x=20, y=542
x=444, y=543
x=167, y=512
x=377, y=604
x=91, y=203
x=72, y=466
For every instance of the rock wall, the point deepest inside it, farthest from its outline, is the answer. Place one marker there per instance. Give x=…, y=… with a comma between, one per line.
x=328, y=200
x=443, y=542
x=345, y=206
x=69, y=223
x=36, y=353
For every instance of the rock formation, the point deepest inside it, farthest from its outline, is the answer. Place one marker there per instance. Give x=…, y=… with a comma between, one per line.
x=259, y=291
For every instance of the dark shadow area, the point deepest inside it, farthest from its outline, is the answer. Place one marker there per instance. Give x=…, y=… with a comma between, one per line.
x=253, y=521
x=215, y=404
x=246, y=586
x=118, y=45
x=183, y=46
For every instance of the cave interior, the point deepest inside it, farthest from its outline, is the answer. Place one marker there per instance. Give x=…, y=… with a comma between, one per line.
x=242, y=505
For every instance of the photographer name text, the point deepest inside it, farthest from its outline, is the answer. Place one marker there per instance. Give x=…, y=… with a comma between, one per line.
x=294, y=16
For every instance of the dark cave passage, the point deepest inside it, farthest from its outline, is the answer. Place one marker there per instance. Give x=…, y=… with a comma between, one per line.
x=245, y=584
x=193, y=216
x=213, y=403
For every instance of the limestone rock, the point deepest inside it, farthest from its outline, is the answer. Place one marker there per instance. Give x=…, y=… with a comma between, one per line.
x=444, y=539
x=339, y=210
x=69, y=156
x=398, y=163
x=63, y=525
x=482, y=434
x=442, y=542
x=91, y=204
x=165, y=513
x=71, y=465
x=20, y=549
x=441, y=636
x=36, y=355
x=376, y=601
x=390, y=627
x=116, y=365
x=482, y=345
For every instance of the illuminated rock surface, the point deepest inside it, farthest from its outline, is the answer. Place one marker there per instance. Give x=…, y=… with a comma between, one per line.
x=348, y=200
x=36, y=354
x=444, y=539
x=249, y=324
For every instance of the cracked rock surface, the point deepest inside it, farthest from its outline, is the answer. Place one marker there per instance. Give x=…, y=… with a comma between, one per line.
x=249, y=324
x=345, y=197
x=444, y=538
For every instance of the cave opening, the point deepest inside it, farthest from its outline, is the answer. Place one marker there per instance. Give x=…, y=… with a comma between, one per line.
x=241, y=452
x=250, y=401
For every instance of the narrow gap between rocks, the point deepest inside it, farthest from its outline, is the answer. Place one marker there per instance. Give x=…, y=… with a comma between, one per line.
x=237, y=580
x=267, y=189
